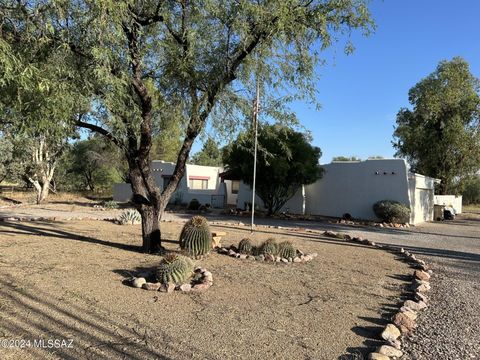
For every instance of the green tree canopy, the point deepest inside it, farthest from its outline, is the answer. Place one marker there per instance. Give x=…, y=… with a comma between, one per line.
x=440, y=135
x=210, y=155
x=286, y=161
x=146, y=62
x=93, y=163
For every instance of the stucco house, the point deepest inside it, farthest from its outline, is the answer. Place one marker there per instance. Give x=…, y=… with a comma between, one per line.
x=354, y=186
x=200, y=182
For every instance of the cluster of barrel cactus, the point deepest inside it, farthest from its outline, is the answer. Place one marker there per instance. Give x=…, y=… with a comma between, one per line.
x=174, y=268
x=245, y=246
x=269, y=247
x=196, y=238
x=286, y=250
x=130, y=217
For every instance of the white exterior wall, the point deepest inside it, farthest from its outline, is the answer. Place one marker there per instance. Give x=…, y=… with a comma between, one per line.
x=183, y=194
x=353, y=187
x=421, y=190
x=450, y=200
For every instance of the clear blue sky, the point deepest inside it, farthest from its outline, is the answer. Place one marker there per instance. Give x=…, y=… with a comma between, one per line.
x=361, y=93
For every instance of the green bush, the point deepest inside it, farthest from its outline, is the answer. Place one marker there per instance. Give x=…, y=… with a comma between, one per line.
x=194, y=204
x=392, y=211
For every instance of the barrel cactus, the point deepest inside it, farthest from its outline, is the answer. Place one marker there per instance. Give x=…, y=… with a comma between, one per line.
x=130, y=217
x=196, y=238
x=286, y=250
x=174, y=268
x=269, y=247
x=245, y=246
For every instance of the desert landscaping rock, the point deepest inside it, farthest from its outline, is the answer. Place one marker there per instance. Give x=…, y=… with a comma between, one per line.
x=391, y=332
x=423, y=288
x=404, y=323
x=138, y=282
x=421, y=297
x=389, y=351
x=411, y=314
x=151, y=286
x=185, y=287
x=416, y=306
x=421, y=275
x=377, y=356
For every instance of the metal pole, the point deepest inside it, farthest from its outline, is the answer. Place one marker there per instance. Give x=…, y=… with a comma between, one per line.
x=255, y=125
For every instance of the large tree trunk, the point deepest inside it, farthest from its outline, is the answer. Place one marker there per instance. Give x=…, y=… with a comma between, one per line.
x=146, y=198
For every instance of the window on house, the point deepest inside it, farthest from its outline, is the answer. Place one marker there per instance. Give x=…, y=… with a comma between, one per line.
x=235, y=186
x=198, y=184
x=166, y=181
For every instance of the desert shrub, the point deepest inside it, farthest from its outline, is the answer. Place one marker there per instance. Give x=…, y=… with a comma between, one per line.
x=269, y=247
x=130, y=217
x=174, y=268
x=110, y=204
x=286, y=250
x=194, y=204
x=245, y=246
x=392, y=211
x=196, y=238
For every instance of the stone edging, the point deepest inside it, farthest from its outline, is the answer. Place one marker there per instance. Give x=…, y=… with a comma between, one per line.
x=200, y=282
x=404, y=321
x=301, y=257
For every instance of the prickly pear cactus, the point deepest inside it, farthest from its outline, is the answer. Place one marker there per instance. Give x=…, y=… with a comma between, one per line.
x=174, y=269
x=196, y=238
x=269, y=247
x=286, y=250
x=130, y=217
x=245, y=246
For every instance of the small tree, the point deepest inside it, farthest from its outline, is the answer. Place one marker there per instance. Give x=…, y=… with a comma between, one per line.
x=286, y=161
x=471, y=190
x=210, y=155
x=95, y=162
x=440, y=136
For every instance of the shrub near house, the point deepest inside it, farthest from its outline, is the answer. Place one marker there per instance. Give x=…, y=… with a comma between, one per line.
x=392, y=211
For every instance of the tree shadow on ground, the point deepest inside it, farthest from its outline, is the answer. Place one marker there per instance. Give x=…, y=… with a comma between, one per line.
x=31, y=313
x=49, y=229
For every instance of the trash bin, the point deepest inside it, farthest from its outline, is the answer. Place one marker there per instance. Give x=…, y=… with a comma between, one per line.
x=438, y=212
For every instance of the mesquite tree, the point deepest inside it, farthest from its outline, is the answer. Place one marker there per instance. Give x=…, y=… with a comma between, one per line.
x=440, y=135
x=38, y=103
x=148, y=61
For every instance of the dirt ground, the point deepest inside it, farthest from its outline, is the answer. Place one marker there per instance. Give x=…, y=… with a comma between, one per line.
x=63, y=280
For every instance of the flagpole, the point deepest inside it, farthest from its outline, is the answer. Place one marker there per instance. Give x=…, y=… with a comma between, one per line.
x=255, y=125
